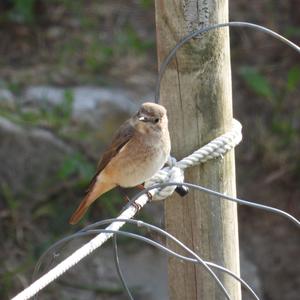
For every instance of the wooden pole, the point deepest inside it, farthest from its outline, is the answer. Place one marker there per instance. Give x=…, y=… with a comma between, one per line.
x=196, y=90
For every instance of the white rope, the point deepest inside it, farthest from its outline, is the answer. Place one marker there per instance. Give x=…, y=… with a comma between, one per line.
x=174, y=172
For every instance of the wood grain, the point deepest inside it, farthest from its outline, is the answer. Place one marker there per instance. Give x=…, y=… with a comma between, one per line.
x=196, y=90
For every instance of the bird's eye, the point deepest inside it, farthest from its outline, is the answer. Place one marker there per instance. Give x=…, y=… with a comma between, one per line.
x=156, y=120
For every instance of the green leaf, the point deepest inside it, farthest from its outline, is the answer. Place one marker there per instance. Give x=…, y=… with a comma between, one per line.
x=69, y=166
x=293, y=78
x=257, y=82
x=76, y=164
x=146, y=3
x=292, y=31
x=24, y=10
x=8, y=197
x=44, y=211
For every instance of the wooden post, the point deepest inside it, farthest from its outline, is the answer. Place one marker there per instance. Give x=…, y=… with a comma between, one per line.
x=196, y=90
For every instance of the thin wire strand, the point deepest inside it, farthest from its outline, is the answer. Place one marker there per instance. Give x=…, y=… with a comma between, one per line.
x=218, y=194
x=188, y=37
x=151, y=242
x=165, y=249
x=118, y=267
x=91, y=230
x=240, y=201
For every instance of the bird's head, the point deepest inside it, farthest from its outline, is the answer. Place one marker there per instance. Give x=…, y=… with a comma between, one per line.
x=151, y=116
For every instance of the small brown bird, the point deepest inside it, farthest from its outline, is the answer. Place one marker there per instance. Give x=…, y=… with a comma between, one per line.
x=139, y=149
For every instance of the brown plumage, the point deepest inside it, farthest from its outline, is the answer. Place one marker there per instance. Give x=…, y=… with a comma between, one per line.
x=139, y=149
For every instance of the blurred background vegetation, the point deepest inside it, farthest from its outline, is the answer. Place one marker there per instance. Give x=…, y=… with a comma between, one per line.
x=59, y=59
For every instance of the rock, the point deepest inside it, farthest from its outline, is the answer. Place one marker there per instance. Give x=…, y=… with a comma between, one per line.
x=30, y=159
x=85, y=99
x=91, y=105
x=43, y=95
x=7, y=99
x=97, y=106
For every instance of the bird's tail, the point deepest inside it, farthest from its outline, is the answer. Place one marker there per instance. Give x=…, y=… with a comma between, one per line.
x=96, y=191
x=80, y=211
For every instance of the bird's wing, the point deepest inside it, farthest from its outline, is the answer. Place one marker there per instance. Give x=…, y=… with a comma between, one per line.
x=122, y=136
x=94, y=190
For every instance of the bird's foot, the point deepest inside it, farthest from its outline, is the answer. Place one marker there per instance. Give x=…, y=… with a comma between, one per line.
x=141, y=187
x=137, y=206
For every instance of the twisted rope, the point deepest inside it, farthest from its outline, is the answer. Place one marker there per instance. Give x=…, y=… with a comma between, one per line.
x=174, y=172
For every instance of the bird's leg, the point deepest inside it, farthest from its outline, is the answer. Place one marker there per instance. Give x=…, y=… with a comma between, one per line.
x=135, y=205
x=141, y=187
x=127, y=199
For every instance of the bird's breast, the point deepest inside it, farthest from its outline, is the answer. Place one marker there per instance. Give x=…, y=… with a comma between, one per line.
x=139, y=161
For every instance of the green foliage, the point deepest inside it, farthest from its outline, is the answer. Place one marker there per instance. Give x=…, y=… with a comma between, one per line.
x=76, y=165
x=14, y=87
x=285, y=129
x=59, y=115
x=44, y=210
x=128, y=40
x=282, y=119
x=292, y=31
x=11, y=202
x=98, y=56
x=110, y=202
x=56, y=117
x=293, y=79
x=257, y=82
x=146, y=4
x=8, y=276
x=22, y=11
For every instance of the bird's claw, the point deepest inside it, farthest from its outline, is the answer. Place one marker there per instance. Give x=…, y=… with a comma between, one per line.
x=137, y=206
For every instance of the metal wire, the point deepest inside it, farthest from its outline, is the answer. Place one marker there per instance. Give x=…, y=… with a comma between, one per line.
x=239, y=201
x=119, y=270
x=218, y=194
x=195, y=33
x=165, y=249
x=151, y=242
x=90, y=230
